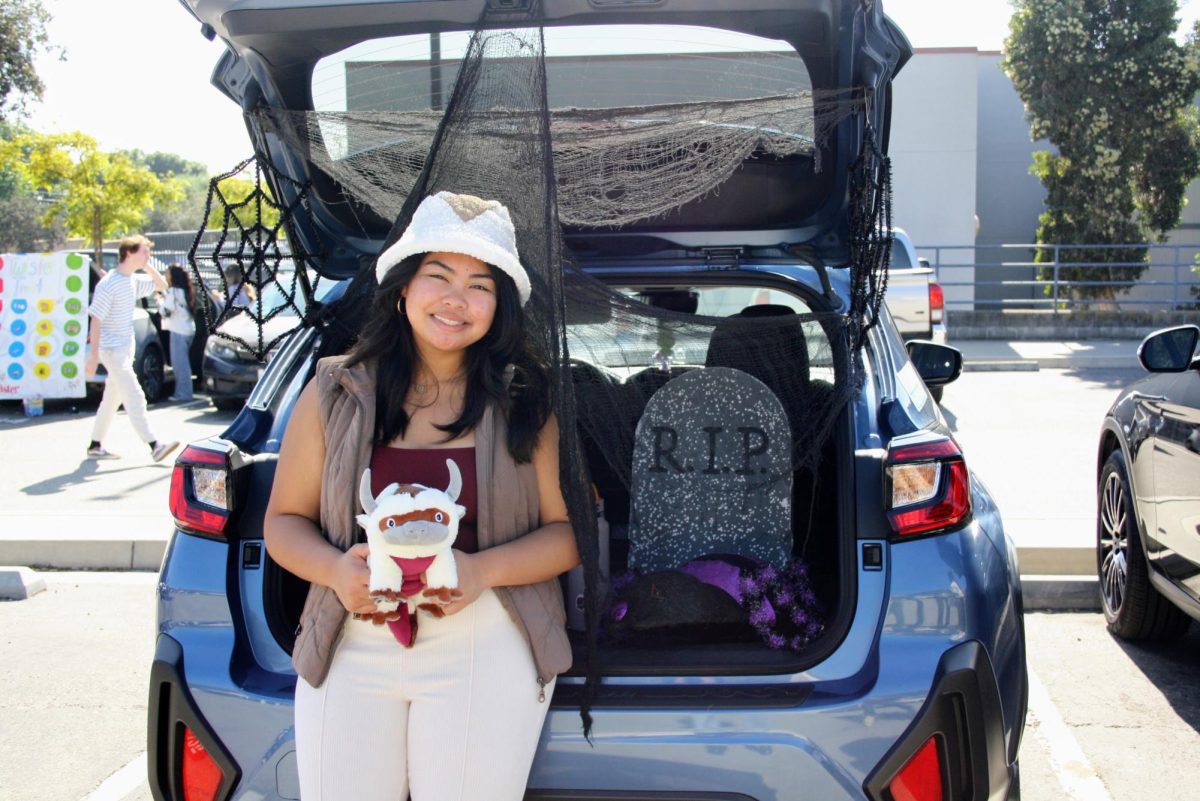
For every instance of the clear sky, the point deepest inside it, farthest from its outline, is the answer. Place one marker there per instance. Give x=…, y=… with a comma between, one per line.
x=136, y=71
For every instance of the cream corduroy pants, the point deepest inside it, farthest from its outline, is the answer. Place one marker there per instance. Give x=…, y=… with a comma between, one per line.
x=454, y=718
x=121, y=388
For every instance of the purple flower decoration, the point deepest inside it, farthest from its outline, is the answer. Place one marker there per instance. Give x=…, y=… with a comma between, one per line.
x=777, y=641
x=764, y=615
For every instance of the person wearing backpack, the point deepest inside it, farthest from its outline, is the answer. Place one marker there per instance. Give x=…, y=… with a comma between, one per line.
x=178, y=317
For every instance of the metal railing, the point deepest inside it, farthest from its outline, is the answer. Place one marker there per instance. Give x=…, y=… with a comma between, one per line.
x=998, y=280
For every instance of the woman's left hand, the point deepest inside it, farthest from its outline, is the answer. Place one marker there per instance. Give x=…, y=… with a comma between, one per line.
x=471, y=584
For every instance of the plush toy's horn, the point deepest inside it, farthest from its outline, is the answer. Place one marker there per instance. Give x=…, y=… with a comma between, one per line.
x=364, y=493
x=455, y=480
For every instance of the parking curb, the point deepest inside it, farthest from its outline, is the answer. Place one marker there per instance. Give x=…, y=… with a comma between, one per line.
x=101, y=554
x=19, y=583
x=1002, y=366
x=1061, y=593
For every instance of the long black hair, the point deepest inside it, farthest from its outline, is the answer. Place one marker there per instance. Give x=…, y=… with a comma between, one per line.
x=179, y=279
x=387, y=340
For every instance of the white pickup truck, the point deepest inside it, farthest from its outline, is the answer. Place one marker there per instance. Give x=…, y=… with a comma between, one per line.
x=914, y=296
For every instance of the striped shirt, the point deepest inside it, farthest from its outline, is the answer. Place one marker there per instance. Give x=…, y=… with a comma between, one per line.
x=112, y=304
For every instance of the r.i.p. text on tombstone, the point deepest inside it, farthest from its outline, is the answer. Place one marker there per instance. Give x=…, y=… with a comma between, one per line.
x=712, y=472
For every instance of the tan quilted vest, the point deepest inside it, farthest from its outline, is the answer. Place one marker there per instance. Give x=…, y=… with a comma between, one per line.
x=508, y=508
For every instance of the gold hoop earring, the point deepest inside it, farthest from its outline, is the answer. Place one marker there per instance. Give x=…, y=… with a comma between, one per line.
x=400, y=307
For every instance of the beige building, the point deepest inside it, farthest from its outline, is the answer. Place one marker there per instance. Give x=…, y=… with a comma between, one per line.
x=961, y=152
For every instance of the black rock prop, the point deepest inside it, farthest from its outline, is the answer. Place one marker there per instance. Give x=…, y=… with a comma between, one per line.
x=672, y=608
x=712, y=472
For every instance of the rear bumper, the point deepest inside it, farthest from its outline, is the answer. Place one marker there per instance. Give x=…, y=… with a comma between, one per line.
x=938, y=334
x=171, y=709
x=964, y=713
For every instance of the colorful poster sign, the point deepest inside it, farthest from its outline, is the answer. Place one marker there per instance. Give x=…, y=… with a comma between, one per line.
x=43, y=324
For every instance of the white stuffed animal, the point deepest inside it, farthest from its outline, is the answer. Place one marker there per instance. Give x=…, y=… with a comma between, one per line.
x=410, y=530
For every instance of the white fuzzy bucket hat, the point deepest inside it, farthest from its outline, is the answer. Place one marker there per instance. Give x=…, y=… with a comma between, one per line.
x=466, y=224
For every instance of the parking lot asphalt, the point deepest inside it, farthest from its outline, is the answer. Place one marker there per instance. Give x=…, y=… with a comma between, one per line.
x=62, y=511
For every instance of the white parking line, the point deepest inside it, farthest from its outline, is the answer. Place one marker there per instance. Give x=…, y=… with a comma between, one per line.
x=1075, y=773
x=121, y=783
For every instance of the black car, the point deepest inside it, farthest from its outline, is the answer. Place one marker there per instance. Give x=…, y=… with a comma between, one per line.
x=230, y=367
x=1148, y=494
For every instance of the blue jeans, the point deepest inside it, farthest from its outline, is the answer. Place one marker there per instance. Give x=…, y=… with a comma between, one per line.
x=181, y=363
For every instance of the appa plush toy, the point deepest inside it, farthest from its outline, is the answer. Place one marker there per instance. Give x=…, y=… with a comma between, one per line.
x=410, y=530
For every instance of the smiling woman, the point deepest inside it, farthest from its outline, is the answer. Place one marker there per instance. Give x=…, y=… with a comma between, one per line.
x=449, y=303
x=442, y=379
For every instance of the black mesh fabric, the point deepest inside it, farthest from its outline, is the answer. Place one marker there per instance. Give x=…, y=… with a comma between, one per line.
x=251, y=269
x=613, y=346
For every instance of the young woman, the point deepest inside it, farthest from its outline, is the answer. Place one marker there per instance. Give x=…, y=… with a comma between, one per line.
x=178, y=305
x=442, y=370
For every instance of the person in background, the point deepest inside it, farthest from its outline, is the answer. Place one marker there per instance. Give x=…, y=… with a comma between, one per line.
x=178, y=315
x=241, y=295
x=112, y=342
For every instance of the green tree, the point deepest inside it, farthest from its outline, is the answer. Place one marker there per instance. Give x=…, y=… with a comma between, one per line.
x=245, y=205
x=186, y=214
x=22, y=229
x=94, y=194
x=22, y=37
x=21, y=209
x=1108, y=85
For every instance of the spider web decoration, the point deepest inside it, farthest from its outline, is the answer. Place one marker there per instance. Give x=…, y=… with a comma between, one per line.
x=253, y=270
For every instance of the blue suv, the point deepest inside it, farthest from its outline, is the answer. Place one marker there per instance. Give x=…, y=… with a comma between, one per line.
x=915, y=686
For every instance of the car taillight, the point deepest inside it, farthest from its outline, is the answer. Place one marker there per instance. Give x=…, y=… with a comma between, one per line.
x=921, y=777
x=928, y=488
x=201, y=774
x=202, y=491
x=937, y=303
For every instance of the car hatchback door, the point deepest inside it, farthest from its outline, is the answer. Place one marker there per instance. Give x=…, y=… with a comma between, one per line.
x=1176, y=449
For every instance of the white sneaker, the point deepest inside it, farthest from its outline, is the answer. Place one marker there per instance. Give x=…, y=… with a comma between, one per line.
x=163, y=449
x=99, y=453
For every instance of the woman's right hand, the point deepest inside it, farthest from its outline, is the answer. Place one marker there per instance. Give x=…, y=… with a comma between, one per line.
x=351, y=580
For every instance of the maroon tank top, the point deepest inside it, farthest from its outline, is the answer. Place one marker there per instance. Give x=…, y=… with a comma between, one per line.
x=428, y=466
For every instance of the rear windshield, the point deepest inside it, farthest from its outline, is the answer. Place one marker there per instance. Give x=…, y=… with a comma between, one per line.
x=586, y=67
x=623, y=350
x=733, y=113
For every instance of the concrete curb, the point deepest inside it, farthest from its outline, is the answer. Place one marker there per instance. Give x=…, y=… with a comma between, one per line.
x=1067, y=560
x=103, y=554
x=1061, y=593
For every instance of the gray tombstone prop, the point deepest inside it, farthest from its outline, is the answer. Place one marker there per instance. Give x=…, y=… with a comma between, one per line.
x=712, y=472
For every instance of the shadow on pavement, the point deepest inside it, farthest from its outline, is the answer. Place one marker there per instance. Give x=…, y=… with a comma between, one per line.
x=1173, y=667
x=87, y=472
